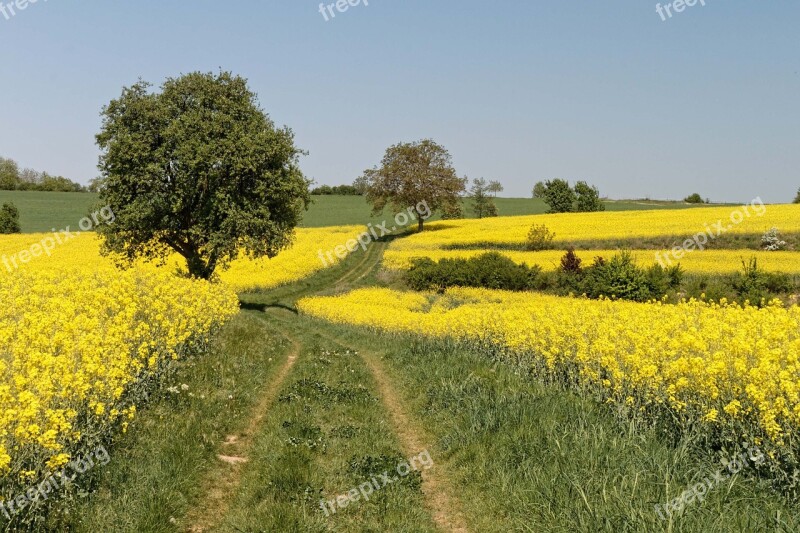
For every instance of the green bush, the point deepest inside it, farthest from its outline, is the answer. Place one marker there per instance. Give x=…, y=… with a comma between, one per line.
x=618, y=277
x=751, y=282
x=694, y=199
x=9, y=219
x=490, y=270
x=539, y=238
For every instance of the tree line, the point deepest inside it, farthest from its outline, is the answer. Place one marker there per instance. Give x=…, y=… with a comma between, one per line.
x=12, y=178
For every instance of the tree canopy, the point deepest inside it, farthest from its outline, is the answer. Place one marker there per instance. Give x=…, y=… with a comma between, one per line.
x=561, y=198
x=413, y=174
x=198, y=169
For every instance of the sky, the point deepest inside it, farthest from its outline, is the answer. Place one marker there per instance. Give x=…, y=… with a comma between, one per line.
x=518, y=91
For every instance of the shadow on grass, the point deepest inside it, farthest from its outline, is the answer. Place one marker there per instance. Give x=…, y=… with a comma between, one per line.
x=249, y=306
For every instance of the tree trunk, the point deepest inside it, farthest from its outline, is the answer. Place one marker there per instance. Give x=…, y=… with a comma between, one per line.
x=420, y=222
x=197, y=267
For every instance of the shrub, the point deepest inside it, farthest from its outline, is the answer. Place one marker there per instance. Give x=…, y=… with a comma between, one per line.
x=694, y=199
x=9, y=219
x=621, y=278
x=490, y=270
x=751, y=282
x=771, y=241
x=539, y=238
x=571, y=263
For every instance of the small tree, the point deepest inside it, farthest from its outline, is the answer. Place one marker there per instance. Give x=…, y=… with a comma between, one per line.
x=539, y=238
x=9, y=219
x=482, y=204
x=539, y=190
x=9, y=174
x=694, y=199
x=412, y=175
x=198, y=169
x=588, y=198
x=797, y=197
x=494, y=187
x=559, y=196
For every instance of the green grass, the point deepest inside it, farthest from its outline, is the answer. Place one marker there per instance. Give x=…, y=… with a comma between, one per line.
x=156, y=470
x=43, y=211
x=326, y=436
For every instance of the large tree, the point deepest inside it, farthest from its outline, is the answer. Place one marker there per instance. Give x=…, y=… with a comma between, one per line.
x=199, y=169
x=412, y=175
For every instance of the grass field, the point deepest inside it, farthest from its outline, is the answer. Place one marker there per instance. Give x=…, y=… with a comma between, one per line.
x=42, y=211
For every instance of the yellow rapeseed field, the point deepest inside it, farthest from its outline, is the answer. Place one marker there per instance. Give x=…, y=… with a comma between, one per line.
x=683, y=224
x=71, y=344
x=722, y=366
x=83, y=251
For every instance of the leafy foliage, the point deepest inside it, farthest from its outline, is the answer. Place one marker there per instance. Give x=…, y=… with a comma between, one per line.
x=588, y=198
x=539, y=238
x=9, y=219
x=559, y=196
x=694, y=199
x=198, y=169
x=339, y=190
x=12, y=178
x=491, y=270
x=412, y=174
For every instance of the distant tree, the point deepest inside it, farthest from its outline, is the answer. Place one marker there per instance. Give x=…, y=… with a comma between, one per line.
x=361, y=185
x=414, y=174
x=694, y=199
x=338, y=190
x=9, y=174
x=482, y=204
x=494, y=187
x=30, y=178
x=198, y=169
x=559, y=196
x=588, y=198
x=9, y=219
x=322, y=190
x=539, y=190
x=797, y=197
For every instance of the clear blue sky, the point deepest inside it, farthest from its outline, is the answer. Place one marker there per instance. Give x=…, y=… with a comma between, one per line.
x=517, y=90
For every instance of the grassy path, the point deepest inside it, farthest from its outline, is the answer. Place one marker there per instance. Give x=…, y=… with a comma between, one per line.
x=224, y=480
